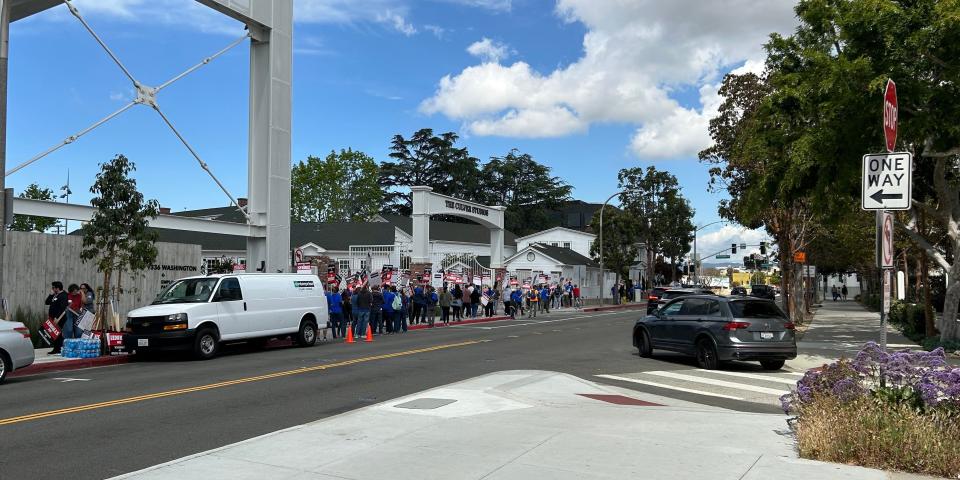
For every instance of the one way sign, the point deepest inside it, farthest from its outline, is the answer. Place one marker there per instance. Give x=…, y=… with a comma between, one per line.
x=887, y=181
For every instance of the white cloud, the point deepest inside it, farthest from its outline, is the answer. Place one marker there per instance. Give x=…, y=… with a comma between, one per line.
x=490, y=51
x=634, y=55
x=494, y=5
x=396, y=21
x=436, y=30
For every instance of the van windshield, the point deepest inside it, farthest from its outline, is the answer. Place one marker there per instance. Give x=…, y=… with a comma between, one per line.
x=191, y=290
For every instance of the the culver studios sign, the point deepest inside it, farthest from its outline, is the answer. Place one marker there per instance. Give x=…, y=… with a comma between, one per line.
x=463, y=207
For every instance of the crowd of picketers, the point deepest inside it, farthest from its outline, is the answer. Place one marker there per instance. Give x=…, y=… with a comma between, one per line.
x=389, y=309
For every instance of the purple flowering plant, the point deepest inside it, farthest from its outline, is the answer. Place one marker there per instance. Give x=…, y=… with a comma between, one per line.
x=923, y=380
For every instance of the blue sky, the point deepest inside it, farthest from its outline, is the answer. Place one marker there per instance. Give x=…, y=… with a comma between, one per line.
x=586, y=86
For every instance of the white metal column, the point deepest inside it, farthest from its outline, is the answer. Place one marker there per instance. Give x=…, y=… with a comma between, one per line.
x=270, y=138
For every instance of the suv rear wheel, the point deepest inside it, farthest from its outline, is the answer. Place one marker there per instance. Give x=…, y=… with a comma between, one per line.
x=707, y=355
x=772, y=364
x=643, y=344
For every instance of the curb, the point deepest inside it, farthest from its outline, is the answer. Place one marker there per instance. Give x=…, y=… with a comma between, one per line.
x=631, y=306
x=63, y=365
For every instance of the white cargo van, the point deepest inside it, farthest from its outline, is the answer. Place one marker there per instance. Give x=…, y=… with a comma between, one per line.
x=198, y=313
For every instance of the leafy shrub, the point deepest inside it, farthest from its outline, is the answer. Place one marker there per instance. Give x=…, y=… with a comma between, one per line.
x=871, y=301
x=32, y=320
x=898, y=410
x=933, y=343
x=908, y=317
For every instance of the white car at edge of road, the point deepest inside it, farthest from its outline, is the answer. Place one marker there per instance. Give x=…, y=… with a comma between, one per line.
x=16, y=349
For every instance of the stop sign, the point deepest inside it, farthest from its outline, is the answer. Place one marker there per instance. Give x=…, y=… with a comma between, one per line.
x=890, y=111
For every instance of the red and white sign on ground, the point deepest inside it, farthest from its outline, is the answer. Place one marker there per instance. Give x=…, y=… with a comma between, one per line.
x=886, y=235
x=890, y=112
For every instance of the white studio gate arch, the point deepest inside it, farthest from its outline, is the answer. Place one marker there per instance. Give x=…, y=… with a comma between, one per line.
x=427, y=203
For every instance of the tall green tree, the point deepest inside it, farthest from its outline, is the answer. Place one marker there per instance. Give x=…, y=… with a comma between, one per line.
x=526, y=188
x=653, y=197
x=821, y=112
x=430, y=160
x=117, y=238
x=30, y=223
x=339, y=188
x=620, y=234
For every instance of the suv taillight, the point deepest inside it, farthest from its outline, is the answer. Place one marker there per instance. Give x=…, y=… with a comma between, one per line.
x=731, y=326
x=653, y=297
x=789, y=326
x=23, y=331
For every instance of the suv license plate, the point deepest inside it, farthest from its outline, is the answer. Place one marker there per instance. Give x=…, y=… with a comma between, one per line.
x=766, y=335
x=143, y=342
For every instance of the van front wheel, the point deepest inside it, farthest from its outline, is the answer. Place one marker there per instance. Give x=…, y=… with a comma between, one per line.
x=307, y=336
x=205, y=346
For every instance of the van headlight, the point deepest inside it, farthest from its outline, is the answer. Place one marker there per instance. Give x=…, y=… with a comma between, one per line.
x=177, y=318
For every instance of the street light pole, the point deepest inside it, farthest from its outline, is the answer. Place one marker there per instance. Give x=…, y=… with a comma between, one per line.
x=602, y=288
x=696, y=266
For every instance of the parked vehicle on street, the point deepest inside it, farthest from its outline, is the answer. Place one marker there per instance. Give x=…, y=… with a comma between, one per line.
x=16, y=348
x=673, y=293
x=739, y=291
x=718, y=329
x=200, y=313
x=653, y=297
x=763, y=291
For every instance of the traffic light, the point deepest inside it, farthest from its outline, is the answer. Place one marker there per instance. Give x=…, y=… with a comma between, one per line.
x=733, y=248
x=763, y=248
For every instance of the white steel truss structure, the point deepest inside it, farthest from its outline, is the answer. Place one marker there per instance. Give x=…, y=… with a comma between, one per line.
x=269, y=26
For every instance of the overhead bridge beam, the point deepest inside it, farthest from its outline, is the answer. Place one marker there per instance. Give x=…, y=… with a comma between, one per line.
x=83, y=213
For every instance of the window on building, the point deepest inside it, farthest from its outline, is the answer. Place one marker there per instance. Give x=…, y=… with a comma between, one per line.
x=363, y=264
x=555, y=244
x=343, y=265
x=567, y=245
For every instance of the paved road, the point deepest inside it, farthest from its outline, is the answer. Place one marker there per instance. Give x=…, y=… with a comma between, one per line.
x=118, y=419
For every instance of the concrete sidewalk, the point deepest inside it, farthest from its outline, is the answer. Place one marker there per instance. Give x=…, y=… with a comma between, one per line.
x=519, y=425
x=839, y=329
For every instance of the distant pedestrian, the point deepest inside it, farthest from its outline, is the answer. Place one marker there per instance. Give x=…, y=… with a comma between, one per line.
x=445, y=300
x=89, y=298
x=834, y=292
x=475, y=301
x=419, y=303
x=400, y=322
x=457, y=304
x=347, y=305
x=516, y=303
x=57, y=311
x=843, y=291
x=376, y=310
x=465, y=296
x=577, y=300
x=533, y=299
x=362, y=309
x=431, y=307
x=335, y=305
x=74, y=309
x=388, y=311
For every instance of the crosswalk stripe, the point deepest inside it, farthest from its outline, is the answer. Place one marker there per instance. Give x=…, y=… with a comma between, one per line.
x=718, y=383
x=670, y=387
x=755, y=376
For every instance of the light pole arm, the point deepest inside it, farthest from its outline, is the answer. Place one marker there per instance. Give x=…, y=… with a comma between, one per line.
x=600, y=247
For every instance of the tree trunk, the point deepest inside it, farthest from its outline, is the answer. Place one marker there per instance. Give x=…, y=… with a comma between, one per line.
x=797, y=296
x=103, y=313
x=949, y=326
x=923, y=280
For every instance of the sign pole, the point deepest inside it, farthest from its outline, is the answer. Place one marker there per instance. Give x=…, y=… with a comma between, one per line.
x=883, y=286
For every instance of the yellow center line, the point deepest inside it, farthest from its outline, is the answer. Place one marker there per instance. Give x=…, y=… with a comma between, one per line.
x=182, y=391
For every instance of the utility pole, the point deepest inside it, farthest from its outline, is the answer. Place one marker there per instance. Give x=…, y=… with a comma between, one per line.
x=4, y=53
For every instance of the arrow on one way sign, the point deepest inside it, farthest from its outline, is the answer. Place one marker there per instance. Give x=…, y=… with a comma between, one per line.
x=879, y=196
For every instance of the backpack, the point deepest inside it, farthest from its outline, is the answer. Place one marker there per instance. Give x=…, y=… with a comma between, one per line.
x=397, y=303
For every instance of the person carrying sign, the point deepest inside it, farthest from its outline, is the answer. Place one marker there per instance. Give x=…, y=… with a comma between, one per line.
x=57, y=300
x=533, y=299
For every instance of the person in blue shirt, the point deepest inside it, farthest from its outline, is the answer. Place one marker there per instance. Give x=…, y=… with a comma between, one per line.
x=335, y=305
x=388, y=312
x=516, y=303
x=419, y=303
x=545, y=298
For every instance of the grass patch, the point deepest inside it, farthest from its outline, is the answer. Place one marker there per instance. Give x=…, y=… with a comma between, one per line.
x=877, y=434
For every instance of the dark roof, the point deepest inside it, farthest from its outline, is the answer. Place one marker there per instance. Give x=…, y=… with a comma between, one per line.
x=563, y=255
x=331, y=236
x=451, y=232
x=575, y=214
x=223, y=214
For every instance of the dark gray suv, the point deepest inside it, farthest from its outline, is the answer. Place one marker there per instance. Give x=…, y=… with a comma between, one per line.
x=717, y=329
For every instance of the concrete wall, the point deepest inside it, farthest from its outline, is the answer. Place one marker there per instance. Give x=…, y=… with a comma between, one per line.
x=33, y=260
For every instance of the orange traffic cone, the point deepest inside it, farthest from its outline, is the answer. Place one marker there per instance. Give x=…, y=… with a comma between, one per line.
x=350, y=334
x=369, y=334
